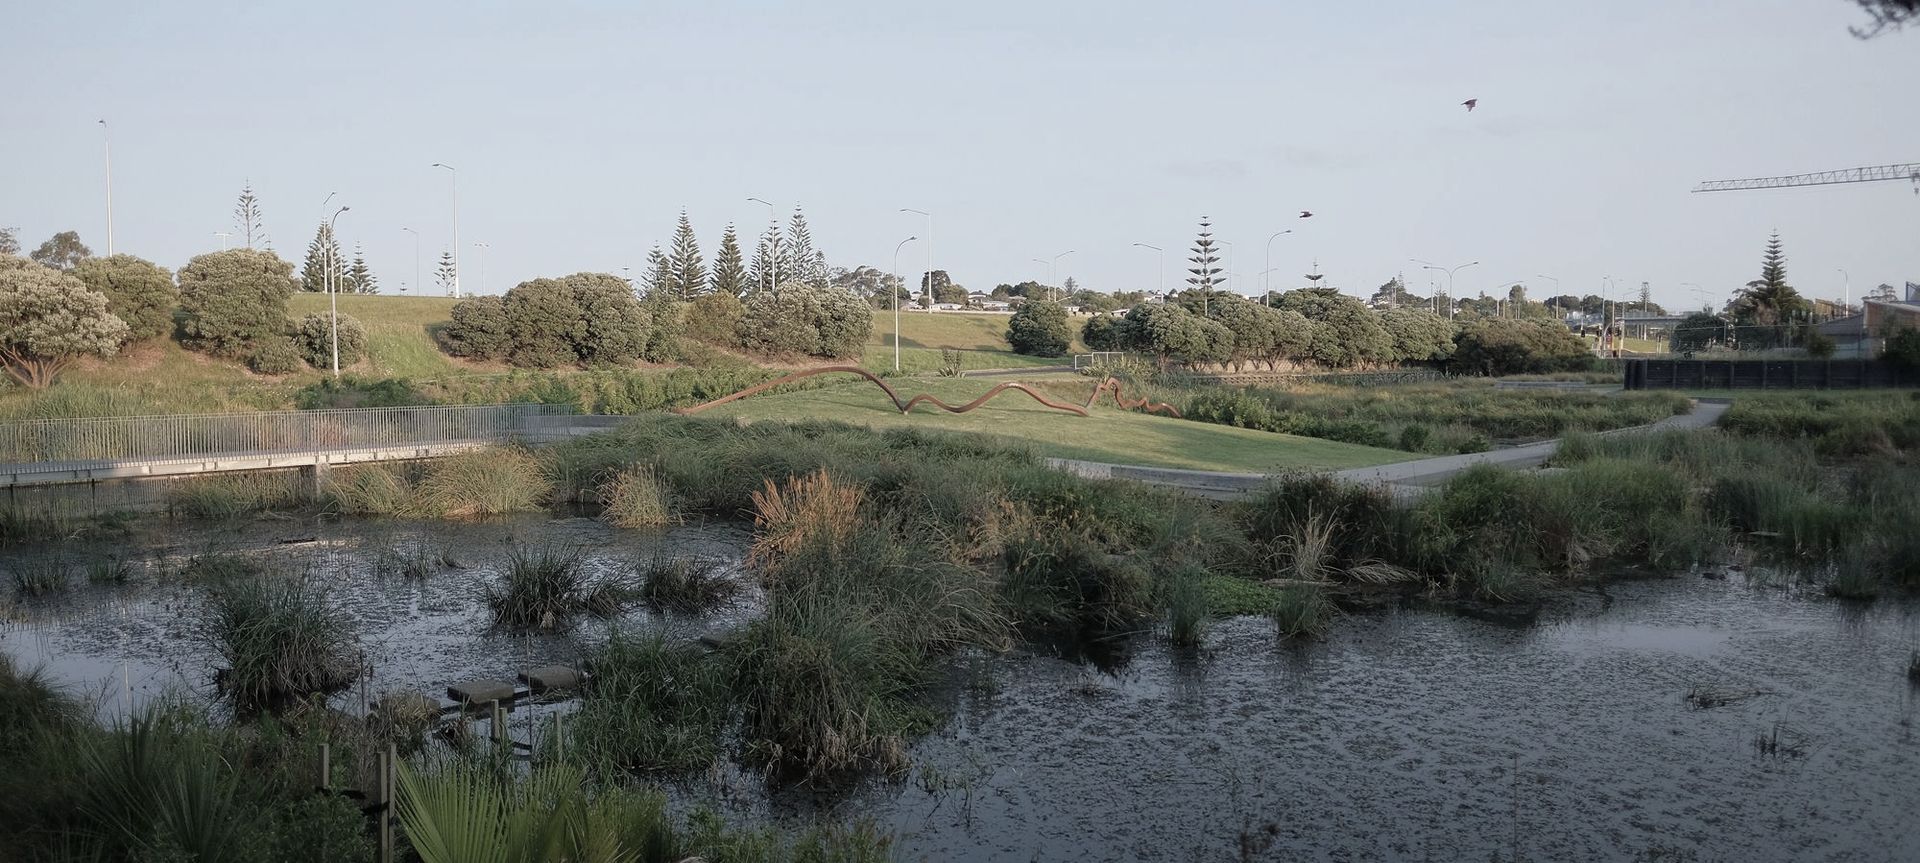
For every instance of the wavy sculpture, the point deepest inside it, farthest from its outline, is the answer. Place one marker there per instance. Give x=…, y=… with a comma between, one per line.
x=1112, y=385
x=928, y=398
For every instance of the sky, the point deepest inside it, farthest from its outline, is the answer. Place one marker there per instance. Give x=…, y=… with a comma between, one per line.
x=581, y=130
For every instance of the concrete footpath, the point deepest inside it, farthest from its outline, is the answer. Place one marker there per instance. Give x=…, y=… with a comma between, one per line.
x=1405, y=477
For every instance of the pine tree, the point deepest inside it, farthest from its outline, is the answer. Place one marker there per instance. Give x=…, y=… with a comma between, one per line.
x=1205, y=275
x=443, y=274
x=806, y=262
x=325, y=248
x=689, y=271
x=360, y=278
x=770, y=260
x=246, y=215
x=659, y=278
x=729, y=271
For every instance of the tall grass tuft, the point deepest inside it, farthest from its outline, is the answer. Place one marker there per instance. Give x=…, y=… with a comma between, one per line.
x=801, y=510
x=635, y=497
x=1302, y=610
x=545, y=588
x=280, y=641
x=1070, y=580
x=232, y=496
x=37, y=577
x=482, y=483
x=687, y=584
x=1186, y=605
x=653, y=706
x=374, y=489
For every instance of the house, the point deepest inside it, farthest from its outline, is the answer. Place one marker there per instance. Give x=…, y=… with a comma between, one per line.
x=1863, y=333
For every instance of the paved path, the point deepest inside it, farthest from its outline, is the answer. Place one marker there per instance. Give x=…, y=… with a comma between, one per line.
x=1404, y=477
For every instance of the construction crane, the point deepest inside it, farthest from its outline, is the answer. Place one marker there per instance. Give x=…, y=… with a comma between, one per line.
x=1824, y=178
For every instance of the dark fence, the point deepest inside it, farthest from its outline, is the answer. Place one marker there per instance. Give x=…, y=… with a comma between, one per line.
x=1767, y=375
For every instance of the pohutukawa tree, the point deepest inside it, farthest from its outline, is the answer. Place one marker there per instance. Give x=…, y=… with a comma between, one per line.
x=138, y=291
x=1205, y=276
x=689, y=270
x=48, y=319
x=234, y=303
x=730, y=274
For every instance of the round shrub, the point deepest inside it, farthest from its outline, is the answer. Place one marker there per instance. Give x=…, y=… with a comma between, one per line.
x=314, y=337
x=479, y=330
x=545, y=322
x=275, y=355
x=612, y=328
x=799, y=318
x=230, y=300
x=1039, y=329
x=138, y=291
x=714, y=319
x=1102, y=333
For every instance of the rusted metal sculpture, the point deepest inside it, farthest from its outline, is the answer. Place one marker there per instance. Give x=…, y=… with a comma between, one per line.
x=1108, y=385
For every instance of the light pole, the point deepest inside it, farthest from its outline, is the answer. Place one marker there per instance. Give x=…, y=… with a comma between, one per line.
x=1162, y=288
x=773, y=254
x=223, y=235
x=1449, y=272
x=1264, y=286
x=1846, y=291
x=483, y=265
x=416, y=258
x=1056, y=258
x=106, y=136
x=333, y=292
x=895, y=290
x=455, y=186
x=929, y=253
x=1049, y=272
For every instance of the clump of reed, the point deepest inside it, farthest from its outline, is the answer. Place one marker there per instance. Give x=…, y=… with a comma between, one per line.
x=545, y=588
x=231, y=496
x=803, y=509
x=111, y=569
x=482, y=483
x=372, y=489
x=279, y=640
x=1913, y=666
x=1069, y=579
x=636, y=497
x=216, y=567
x=686, y=584
x=1302, y=610
x=40, y=576
x=1184, y=597
x=654, y=706
x=23, y=525
x=416, y=560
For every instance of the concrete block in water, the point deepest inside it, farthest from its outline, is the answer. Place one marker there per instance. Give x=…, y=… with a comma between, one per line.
x=481, y=691
x=550, y=677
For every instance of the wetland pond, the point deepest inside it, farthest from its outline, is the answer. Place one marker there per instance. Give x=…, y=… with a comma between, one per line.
x=1687, y=718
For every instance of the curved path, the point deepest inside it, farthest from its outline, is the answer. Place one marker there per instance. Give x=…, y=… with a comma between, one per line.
x=1403, y=478
x=1107, y=385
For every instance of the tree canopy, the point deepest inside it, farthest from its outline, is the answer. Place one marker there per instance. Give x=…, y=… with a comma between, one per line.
x=138, y=291
x=233, y=300
x=49, y=319
x=62, y=251
x=1039, y=329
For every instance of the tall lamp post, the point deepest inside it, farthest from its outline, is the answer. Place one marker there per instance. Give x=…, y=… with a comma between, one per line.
x=1162, y=280
x=895, y=290
x=1449, y=271
x=1556, y=292
x=455, y=186
x=416, y=258
x=773, y=259
x=106, y=136
x=929, y=253
x=1056, y=258
x=483, y=265
x=1267, y=289
x=333, y=291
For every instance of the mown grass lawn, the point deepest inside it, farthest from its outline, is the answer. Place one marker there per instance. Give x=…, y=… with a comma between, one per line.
x=1109, y=435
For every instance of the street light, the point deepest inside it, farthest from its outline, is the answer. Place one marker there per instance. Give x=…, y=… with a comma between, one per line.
x=1449, y=272
x=1163, y=264
x=333, y=292
x=895, y=290
x=929, y=253
x=416, y=258
x=223, y=235
x=1050, y=264
x=773, y=256
x=1264, y=286
x=107, y=136
x=483, y=265
x=455, y=186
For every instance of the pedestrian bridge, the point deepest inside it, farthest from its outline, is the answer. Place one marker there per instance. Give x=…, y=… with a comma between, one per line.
x=87, y=450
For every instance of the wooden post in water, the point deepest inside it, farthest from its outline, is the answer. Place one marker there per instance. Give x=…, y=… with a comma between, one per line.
x=326, y=767
x=559, y=740
x=497, y=717
x=383, y=793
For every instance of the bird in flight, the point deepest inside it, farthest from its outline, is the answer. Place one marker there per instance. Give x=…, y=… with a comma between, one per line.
x=1470, y=103
x=1305, y=214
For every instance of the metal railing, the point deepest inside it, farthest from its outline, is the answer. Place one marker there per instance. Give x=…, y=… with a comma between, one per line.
x=64, y=444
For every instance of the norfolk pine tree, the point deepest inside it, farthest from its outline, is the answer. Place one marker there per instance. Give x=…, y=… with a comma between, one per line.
x=689, y=270
x=729, y=271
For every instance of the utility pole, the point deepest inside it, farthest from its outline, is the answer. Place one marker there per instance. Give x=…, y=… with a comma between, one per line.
x=333, y=291
x=929, y=253
x=1162, y=286
x=483, y=265
x=106, y=136
x=895, y=290
x=455, y=181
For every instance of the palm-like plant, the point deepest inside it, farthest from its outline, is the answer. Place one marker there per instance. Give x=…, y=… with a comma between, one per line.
x=462, y=813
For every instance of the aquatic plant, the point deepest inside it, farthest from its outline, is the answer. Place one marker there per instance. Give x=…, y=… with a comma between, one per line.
x=229, y=496
x=1185, y=598
x=653, y=706
x=1069, y=579
x=482, y=483
x=371, y=489
x=30, y=704
x=544, y=588
x=109, y=570
x=635, y=497
x=218, y=566
x=41, y=576
x=1913, y=666
x=21, y=525
x=803, y=509
x=416, y=560
x=279, y=640
x=686, y=584
x=1302, y=610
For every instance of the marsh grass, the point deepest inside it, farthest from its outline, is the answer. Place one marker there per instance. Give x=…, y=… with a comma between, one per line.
x=546, y=588
x=687, y=584
x=230, y=496
x=803, y=509
x=109, y=570
x=417, y=560
x=217, y=567
x=374, y=489
x=38, y=577
x=1301, y=611
x=1070, y=580
x=654, y=706
x=1185, y=601
x=280, y=641
x=23, y=525
x=482, y=483
x=635, y=497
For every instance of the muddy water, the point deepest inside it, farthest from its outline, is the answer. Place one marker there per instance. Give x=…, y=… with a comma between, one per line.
x=128, y=644
x=1406, y=734
x=1423, y=735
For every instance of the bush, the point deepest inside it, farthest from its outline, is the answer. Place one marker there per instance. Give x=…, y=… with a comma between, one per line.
x=1039, y=329
x=1698, y=330
x=544, y=323
x=232, y=301
x=614, y=327
x=654, y=707
x=1346, y=332
x=1819, y=344
x=1505, y=347
x=799, y=318
x=356, y=392
x=275, y=355
x=635, y=497
x=482, y=483
x=714, y=319
x=1903, y=348
x=314, y=338
x=1102, y=333
x=1418, y=335
x=479, y=329
x=279, y=641
x=48, y=319
x=138, y=291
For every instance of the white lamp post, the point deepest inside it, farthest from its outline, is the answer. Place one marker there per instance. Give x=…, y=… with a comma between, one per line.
x=894, y=289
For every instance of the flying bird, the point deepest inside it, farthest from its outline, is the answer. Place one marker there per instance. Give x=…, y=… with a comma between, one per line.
x=1306, y=214
x=1470, y=103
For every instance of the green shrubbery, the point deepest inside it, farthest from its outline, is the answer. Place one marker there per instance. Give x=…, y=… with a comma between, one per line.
x=1506, y=347
x=314, y=336
x=804, y=319
x=1039, y=328
x=233, y=304
x=138, y=291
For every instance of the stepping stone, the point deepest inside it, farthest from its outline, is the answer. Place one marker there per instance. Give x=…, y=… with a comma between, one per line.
x=481, y=691
x=550, y=677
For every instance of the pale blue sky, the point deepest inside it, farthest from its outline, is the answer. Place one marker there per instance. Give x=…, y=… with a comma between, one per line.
x=582, y=129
